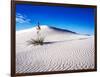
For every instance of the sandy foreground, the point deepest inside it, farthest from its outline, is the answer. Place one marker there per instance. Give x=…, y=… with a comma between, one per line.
x=63, y=51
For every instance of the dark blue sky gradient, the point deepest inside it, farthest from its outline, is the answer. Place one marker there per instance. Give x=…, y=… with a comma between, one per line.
x=80, y=20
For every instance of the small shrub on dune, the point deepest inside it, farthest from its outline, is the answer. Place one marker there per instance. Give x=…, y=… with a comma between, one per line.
x=39, y=38
x=38, y=41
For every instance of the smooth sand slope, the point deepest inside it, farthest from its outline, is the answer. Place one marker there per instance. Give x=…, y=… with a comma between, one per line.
x=63, y=50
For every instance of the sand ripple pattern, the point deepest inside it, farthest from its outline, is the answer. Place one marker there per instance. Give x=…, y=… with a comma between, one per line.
x=60, y=56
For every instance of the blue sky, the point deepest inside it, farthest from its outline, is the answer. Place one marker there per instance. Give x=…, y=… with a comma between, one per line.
x=80, y=20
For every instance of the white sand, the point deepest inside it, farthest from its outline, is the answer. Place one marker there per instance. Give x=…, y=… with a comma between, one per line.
x=67, y=51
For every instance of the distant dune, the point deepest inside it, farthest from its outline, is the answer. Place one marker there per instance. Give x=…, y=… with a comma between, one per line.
x=63, y=50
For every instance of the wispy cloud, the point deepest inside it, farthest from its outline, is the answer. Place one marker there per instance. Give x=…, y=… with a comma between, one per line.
x=22, y=18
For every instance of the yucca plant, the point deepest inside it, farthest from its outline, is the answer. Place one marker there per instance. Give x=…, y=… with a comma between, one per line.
x=39, y=40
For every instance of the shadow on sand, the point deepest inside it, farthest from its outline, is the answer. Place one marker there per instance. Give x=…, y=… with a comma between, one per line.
x=52, y=42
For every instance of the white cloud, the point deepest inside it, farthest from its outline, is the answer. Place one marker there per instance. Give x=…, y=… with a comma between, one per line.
x=22, y=18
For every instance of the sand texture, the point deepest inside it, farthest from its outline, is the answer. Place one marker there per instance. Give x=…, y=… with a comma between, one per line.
x=63, y=50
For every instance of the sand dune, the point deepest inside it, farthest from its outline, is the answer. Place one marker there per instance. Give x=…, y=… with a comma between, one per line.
x=67, y=51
